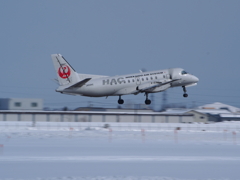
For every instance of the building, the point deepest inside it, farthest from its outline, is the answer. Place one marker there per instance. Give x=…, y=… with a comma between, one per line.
x=94, y=116
x=31, y=110
x=21, y=104
x=222, y=112
x=218, y=105
x=230, y=117
x=215, y=112
x=200, y=115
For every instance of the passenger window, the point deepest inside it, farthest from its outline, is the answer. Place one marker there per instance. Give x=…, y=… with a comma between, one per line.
x=128, y=81
x=155, y=77
x=146, y=78
x=142, y=79
x=133, y=80
x=151, y=78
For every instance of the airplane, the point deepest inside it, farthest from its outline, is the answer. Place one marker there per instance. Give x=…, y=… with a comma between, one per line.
x=72, y=83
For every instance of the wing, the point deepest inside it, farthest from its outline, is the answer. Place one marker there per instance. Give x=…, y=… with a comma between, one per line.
x=147, y=87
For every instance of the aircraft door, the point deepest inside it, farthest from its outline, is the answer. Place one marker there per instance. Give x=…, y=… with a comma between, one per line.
x=138, y=80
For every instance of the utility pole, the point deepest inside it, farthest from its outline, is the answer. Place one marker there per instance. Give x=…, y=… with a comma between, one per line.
x=164, y=100
x=152, y=104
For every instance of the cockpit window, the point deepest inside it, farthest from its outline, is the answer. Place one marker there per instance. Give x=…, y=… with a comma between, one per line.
x=184, y=72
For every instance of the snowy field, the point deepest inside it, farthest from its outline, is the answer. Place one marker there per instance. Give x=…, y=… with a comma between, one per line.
x=123, y=151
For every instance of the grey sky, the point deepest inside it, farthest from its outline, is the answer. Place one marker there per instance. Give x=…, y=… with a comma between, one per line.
x=120, y=37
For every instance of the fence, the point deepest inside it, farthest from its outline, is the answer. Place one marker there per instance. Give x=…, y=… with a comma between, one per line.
x=92, y=116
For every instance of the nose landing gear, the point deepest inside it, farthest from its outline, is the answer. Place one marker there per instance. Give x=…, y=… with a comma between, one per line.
x=147, y=101
x=120, y=100
x=185, y=92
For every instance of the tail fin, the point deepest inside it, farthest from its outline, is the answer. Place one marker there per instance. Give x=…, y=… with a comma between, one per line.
x=65, y=73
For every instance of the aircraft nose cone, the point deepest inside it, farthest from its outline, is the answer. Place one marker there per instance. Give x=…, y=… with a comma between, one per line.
x=195, y=79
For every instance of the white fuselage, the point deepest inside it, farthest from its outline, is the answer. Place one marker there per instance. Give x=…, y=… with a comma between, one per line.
x=127, y=84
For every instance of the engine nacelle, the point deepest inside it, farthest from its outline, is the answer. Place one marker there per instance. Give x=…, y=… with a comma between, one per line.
x=145, y=87
x=161, y=88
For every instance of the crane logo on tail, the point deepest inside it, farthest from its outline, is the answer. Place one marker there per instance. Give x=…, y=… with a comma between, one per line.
x=64, y=71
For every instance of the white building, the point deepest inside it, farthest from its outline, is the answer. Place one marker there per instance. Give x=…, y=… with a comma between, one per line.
x=20, y=104
x=210, y=112
x=218, y=105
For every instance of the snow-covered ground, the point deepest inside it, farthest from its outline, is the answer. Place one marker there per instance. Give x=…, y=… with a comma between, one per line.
x=124, y=151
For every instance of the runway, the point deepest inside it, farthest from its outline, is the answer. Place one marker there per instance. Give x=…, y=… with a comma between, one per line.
x=30, y=153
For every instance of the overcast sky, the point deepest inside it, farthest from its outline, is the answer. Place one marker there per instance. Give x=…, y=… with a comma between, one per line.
x=120, y=37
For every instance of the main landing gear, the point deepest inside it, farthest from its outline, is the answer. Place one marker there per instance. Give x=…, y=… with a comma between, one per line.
x=185, y=92
x=120, y=100
x=147, y=101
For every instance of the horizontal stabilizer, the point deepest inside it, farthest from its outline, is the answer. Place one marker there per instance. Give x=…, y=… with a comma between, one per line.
x=79, y=84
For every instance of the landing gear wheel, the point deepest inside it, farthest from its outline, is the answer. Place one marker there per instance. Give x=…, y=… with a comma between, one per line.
x=184, y=90
x=120, y=101
x=147, y=101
